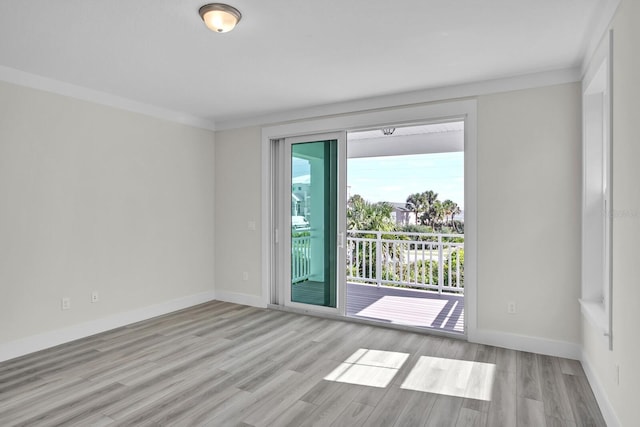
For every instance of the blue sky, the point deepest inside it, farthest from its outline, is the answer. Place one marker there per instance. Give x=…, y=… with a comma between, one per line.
x=393, y=178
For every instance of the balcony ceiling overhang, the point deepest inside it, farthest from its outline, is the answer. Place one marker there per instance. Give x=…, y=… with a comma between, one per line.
x=422, y=139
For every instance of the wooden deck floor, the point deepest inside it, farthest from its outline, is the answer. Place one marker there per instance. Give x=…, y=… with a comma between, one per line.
x=406, y=307
x=394, y=305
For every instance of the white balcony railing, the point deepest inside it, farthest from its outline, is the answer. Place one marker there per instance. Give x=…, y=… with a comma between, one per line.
x=301, y=258
x=418, y=260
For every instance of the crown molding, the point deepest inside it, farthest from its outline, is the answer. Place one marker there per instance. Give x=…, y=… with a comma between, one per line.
x=33, y=81
x=600, y=23
x=526, y=81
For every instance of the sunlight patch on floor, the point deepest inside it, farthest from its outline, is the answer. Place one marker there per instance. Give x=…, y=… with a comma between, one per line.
x=373, y=368
x=461, y=378
x=430, y=307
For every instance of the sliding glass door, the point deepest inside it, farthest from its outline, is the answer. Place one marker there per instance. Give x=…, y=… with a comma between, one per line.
x=314, y=187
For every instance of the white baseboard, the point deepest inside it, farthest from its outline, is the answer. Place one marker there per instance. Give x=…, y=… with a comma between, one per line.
x=238, y=298
x=39, y=342
x=526, y=343
x=608, y=413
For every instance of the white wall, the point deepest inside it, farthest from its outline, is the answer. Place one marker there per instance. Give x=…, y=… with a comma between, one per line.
x=601, y=362
x=237, y=248
x=529, y=178
x=529, y=212
x=96, y=198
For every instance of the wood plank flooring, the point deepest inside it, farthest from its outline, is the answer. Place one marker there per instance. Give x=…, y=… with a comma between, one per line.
x=221, y=364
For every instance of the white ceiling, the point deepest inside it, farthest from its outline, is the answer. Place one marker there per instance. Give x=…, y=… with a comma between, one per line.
x=287, y=54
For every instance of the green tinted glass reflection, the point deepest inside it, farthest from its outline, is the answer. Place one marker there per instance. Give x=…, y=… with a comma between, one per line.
x=314, y=222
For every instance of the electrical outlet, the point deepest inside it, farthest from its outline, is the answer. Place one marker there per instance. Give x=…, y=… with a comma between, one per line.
x=511, y=307
x=251, y=225
x=66, y=303
x=245, y=276
x=94, y=297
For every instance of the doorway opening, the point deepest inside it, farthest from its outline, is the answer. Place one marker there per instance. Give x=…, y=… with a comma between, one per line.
x=405, y=226
x=281, y=221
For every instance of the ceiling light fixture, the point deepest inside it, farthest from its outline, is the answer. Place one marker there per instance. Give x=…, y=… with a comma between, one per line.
x=388, y=131
x=220, y=17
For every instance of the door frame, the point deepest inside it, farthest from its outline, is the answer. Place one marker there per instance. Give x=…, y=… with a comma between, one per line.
x=465, y=110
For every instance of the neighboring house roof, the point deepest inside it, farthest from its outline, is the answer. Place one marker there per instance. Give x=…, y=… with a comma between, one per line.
x=399, y=206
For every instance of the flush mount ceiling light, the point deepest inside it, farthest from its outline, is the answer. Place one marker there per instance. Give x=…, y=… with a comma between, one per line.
x=388, y=131
x=220, y=17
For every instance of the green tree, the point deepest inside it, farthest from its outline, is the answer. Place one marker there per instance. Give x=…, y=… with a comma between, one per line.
x=364, y=215
x=437, y=214
x=432, y=209
x=455, y=263
x=429, y=210
x=430, y=196
x=417, y=203
x=456, y=211
x=451, y=209
x=356, y=207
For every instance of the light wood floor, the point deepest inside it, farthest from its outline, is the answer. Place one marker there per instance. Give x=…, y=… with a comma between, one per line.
x=222, y=364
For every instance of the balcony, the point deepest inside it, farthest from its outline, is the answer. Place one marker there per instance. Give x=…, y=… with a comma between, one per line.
x=414, y=279
x=425, y=261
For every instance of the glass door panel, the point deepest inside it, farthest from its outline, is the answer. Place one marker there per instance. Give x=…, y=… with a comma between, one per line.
x=314, y=223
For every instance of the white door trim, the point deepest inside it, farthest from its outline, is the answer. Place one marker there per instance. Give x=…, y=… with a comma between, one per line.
x=434, y=112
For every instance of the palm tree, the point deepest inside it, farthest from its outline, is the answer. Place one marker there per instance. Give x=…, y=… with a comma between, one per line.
x=416, y=203
x=455, y=211
x=430, y=214
x=430, y=196
x=449, y=208
x=436, y=212
x=364, y=215
x=356, y=215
